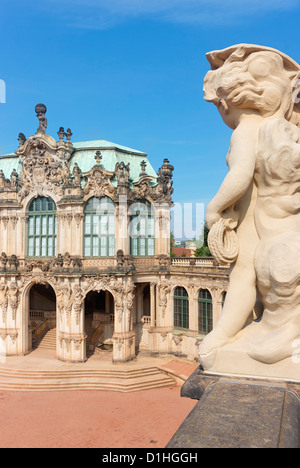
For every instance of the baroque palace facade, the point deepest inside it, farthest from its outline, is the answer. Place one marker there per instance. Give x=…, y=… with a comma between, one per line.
x=85, y=242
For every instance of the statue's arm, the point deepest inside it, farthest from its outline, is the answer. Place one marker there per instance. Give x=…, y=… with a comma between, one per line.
x=241, y=162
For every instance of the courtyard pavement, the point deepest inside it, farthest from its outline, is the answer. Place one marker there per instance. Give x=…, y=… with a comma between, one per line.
x=90, y=418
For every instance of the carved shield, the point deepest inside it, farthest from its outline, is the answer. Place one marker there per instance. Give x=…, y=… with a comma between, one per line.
x=39, y=175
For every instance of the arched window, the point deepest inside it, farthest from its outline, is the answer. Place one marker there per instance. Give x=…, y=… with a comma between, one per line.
x=181, y=308
x=99, y=228
x=142, y=229
x=41, y=234
x=205, y=318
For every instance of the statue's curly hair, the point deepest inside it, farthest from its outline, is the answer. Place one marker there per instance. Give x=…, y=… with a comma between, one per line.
x=259, y=80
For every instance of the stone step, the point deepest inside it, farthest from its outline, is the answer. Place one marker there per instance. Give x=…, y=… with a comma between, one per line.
x=110, y=380
x=70, y=373
x=48, y=340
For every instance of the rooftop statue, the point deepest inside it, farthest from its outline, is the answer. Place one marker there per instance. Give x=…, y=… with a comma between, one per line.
x=254, y=218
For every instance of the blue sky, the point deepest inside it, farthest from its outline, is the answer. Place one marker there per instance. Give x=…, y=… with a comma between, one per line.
x=131, y=72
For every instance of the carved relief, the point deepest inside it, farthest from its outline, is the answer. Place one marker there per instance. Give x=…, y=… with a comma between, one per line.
x=159, y=190
x=164, y=289
x=64, y=300
x=3, y=300
x=13, y=298
x=78, y=301
x=99, y=182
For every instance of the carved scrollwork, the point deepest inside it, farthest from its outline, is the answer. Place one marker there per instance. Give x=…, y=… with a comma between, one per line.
x=99, y=182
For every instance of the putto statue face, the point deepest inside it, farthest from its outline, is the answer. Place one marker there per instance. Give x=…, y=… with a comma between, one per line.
x=260, y=80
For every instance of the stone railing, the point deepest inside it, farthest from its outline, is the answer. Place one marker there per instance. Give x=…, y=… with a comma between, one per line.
x=199, y=262
x=146, y=320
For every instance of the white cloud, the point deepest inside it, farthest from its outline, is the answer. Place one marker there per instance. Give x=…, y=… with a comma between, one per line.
x=99, y=14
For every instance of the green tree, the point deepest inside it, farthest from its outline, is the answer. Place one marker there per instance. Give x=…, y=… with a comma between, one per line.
x=204, y=250
x=172, y=241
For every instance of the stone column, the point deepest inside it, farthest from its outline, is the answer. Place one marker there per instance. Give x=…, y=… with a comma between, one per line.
x=124, y=336
x=70, y=323
x=152, y=304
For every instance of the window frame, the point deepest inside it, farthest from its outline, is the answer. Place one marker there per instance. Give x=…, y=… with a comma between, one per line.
x=101, y=244
x=181, y=302
x=147, y=218
x=36, y=218
x=205, y=312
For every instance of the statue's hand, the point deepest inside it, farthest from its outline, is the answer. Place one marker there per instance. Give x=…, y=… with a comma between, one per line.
x=211, y=217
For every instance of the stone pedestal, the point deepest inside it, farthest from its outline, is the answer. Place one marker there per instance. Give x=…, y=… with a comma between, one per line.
x=235, y=412
x=123, y=347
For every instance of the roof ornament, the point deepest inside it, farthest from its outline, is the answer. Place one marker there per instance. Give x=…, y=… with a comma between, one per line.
x=69, y=135
x=41, y=110
x=61, y=133
x=143, y=168
x=21, y=139
x=98, y=157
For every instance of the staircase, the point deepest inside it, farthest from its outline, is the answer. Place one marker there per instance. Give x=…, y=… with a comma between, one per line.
x=89, y=331
x=47, y=341
x=132, y=380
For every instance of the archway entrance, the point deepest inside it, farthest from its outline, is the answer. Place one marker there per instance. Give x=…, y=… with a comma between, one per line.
x=42, y=316
x=99, y=321
x=143, y=317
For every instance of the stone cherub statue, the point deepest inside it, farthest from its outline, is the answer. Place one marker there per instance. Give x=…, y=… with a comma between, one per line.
x=254, y=218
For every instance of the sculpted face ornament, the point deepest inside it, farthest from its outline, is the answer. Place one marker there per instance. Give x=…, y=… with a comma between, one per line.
x=254, y=218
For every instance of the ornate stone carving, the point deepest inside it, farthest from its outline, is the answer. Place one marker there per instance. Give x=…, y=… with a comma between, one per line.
x=78, y=301
x=8, y=263
x=64, y=300
x=42, y=169
x=159, y=190
x=3, y=300
x=21, y=139
x=128, y=291
x=258, y=205
x=120, y=260
x=99, y=182
x=164, y=288
x=77, y=174
x=41, y=110
x=42, y=265
x=13, y=298
x=9, y=185
x=44, y=162
x=3, y=261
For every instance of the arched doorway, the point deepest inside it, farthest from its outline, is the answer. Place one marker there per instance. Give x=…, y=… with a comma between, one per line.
x=42, y=316
x=99, y=321
x=142, y=317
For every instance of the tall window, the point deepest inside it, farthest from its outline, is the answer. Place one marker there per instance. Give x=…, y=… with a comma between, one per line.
x=181, y=308
x=205, y=319
x=99, y=228
x=142, y=229
x=41, y=240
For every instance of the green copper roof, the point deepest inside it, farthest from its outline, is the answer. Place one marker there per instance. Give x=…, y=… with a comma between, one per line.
x=8, y=163
x=103, y=144
x=84, y=156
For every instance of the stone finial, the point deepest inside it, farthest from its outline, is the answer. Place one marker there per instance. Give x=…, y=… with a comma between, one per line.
x=69, y=135
x=61, y=133
x=21, y=139
x=143, y=168
x=41, y=110
x=167, y=168
x=98, y=157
